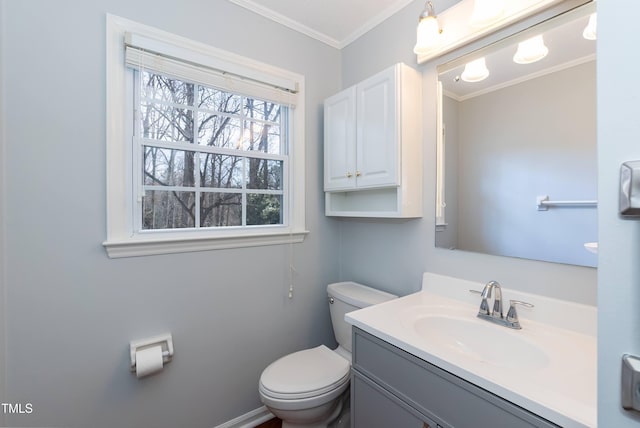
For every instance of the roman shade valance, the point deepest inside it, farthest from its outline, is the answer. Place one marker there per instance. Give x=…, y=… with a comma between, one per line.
x=218, y=69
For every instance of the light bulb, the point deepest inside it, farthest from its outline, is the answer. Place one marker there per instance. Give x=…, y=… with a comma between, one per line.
x=475, y=71
x=590, y=31
x=428, y=31
x=530, y=51
x=486, y=12
x=427, y=35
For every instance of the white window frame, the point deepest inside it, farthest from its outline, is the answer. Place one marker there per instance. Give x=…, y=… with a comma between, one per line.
x=123, y=240
x=441, y=204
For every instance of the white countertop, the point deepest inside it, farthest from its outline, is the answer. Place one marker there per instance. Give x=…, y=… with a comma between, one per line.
x=562, y=388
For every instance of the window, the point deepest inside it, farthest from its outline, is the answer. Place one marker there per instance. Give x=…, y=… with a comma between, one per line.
x=209, y=158
x=205, y=149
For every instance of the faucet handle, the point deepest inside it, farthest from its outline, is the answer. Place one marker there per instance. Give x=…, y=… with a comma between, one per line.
x=512, y=315
x=484, y=305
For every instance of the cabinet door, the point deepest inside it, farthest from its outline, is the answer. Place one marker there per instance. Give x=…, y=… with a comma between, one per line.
x=340, y=141
x=378, y=144
x=373, y=407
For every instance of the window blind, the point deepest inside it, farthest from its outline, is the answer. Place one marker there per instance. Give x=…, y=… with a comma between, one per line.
x=202, y=67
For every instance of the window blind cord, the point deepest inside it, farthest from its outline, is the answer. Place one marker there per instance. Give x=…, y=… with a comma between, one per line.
x=291, y=268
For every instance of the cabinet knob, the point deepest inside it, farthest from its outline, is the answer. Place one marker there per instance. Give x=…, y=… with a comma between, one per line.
x=358, y=174
x=349, y=175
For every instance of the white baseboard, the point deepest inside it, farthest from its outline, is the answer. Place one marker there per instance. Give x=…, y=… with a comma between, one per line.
x=250, y=419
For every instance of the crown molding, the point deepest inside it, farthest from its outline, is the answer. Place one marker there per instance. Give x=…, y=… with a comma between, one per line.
x=521, y=79
x=319, y=35
x=287, y=22
x=375, y=21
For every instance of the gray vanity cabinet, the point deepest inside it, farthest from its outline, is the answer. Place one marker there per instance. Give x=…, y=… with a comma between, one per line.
x=391, y=388
x=380, y=408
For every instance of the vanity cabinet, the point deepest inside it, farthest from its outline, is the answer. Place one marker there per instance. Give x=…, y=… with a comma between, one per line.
x=372, y=147
x=391, y=387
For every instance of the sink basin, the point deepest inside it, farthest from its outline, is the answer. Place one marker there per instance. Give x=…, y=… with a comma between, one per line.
x=549, y=367
x=481, y=340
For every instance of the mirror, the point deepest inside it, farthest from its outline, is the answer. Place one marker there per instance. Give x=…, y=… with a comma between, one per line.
x=517, y=148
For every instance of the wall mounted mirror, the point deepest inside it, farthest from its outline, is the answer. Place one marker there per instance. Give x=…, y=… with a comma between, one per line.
x=517, y=145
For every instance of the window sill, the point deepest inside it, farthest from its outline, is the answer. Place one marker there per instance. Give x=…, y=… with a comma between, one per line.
x=139, y=246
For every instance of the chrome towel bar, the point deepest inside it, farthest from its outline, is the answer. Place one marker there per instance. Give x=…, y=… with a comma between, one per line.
x=543, y=203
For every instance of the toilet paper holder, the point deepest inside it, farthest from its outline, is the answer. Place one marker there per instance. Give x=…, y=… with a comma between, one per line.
x=165, y=341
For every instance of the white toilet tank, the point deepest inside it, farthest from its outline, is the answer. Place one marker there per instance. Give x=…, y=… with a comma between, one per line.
x=349, y=296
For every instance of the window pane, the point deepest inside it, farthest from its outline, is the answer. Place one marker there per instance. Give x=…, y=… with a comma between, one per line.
x=166, y=123
x=263, y=110
x=221, y=171
x=164, y=88
x=261, y=137
x=224, y=102
x=264, y=174
x=219, y=131
x=166, y=167
x=206, y=135
x=264, y=209
x=220, y=209
x=168, y=210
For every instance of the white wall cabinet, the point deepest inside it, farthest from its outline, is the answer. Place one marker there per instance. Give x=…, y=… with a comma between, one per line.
x=372, y=147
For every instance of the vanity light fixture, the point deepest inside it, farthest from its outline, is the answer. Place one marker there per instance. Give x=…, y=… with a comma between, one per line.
x=428, y=31
x=475, y=71
x=486, y=12
x=590, y=31
x=530, y=51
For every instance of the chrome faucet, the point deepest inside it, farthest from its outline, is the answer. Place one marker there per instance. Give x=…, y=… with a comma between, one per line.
x=495, y=314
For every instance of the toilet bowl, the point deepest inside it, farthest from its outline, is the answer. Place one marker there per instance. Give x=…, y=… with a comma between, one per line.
x=308, y=388
x=304, y=387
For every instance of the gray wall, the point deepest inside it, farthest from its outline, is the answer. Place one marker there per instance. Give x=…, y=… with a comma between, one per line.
x=70, y=310
x=394, y=254
x=619, y=242
x=390, y=254
x=534, y=138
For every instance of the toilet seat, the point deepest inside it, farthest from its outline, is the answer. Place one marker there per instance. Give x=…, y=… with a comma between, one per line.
x=305, y=374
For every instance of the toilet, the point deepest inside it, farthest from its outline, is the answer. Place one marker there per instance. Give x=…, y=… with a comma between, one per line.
x=309, y=388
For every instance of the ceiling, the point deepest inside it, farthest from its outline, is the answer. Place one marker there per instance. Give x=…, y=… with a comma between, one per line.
x=334, y=22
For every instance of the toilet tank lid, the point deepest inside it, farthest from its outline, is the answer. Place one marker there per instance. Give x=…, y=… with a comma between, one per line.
x=357, y=294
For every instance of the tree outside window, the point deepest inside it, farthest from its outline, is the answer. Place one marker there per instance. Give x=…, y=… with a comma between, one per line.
x=209, y=158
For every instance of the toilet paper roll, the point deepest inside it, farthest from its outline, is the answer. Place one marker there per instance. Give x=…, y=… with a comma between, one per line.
x=148, y=361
